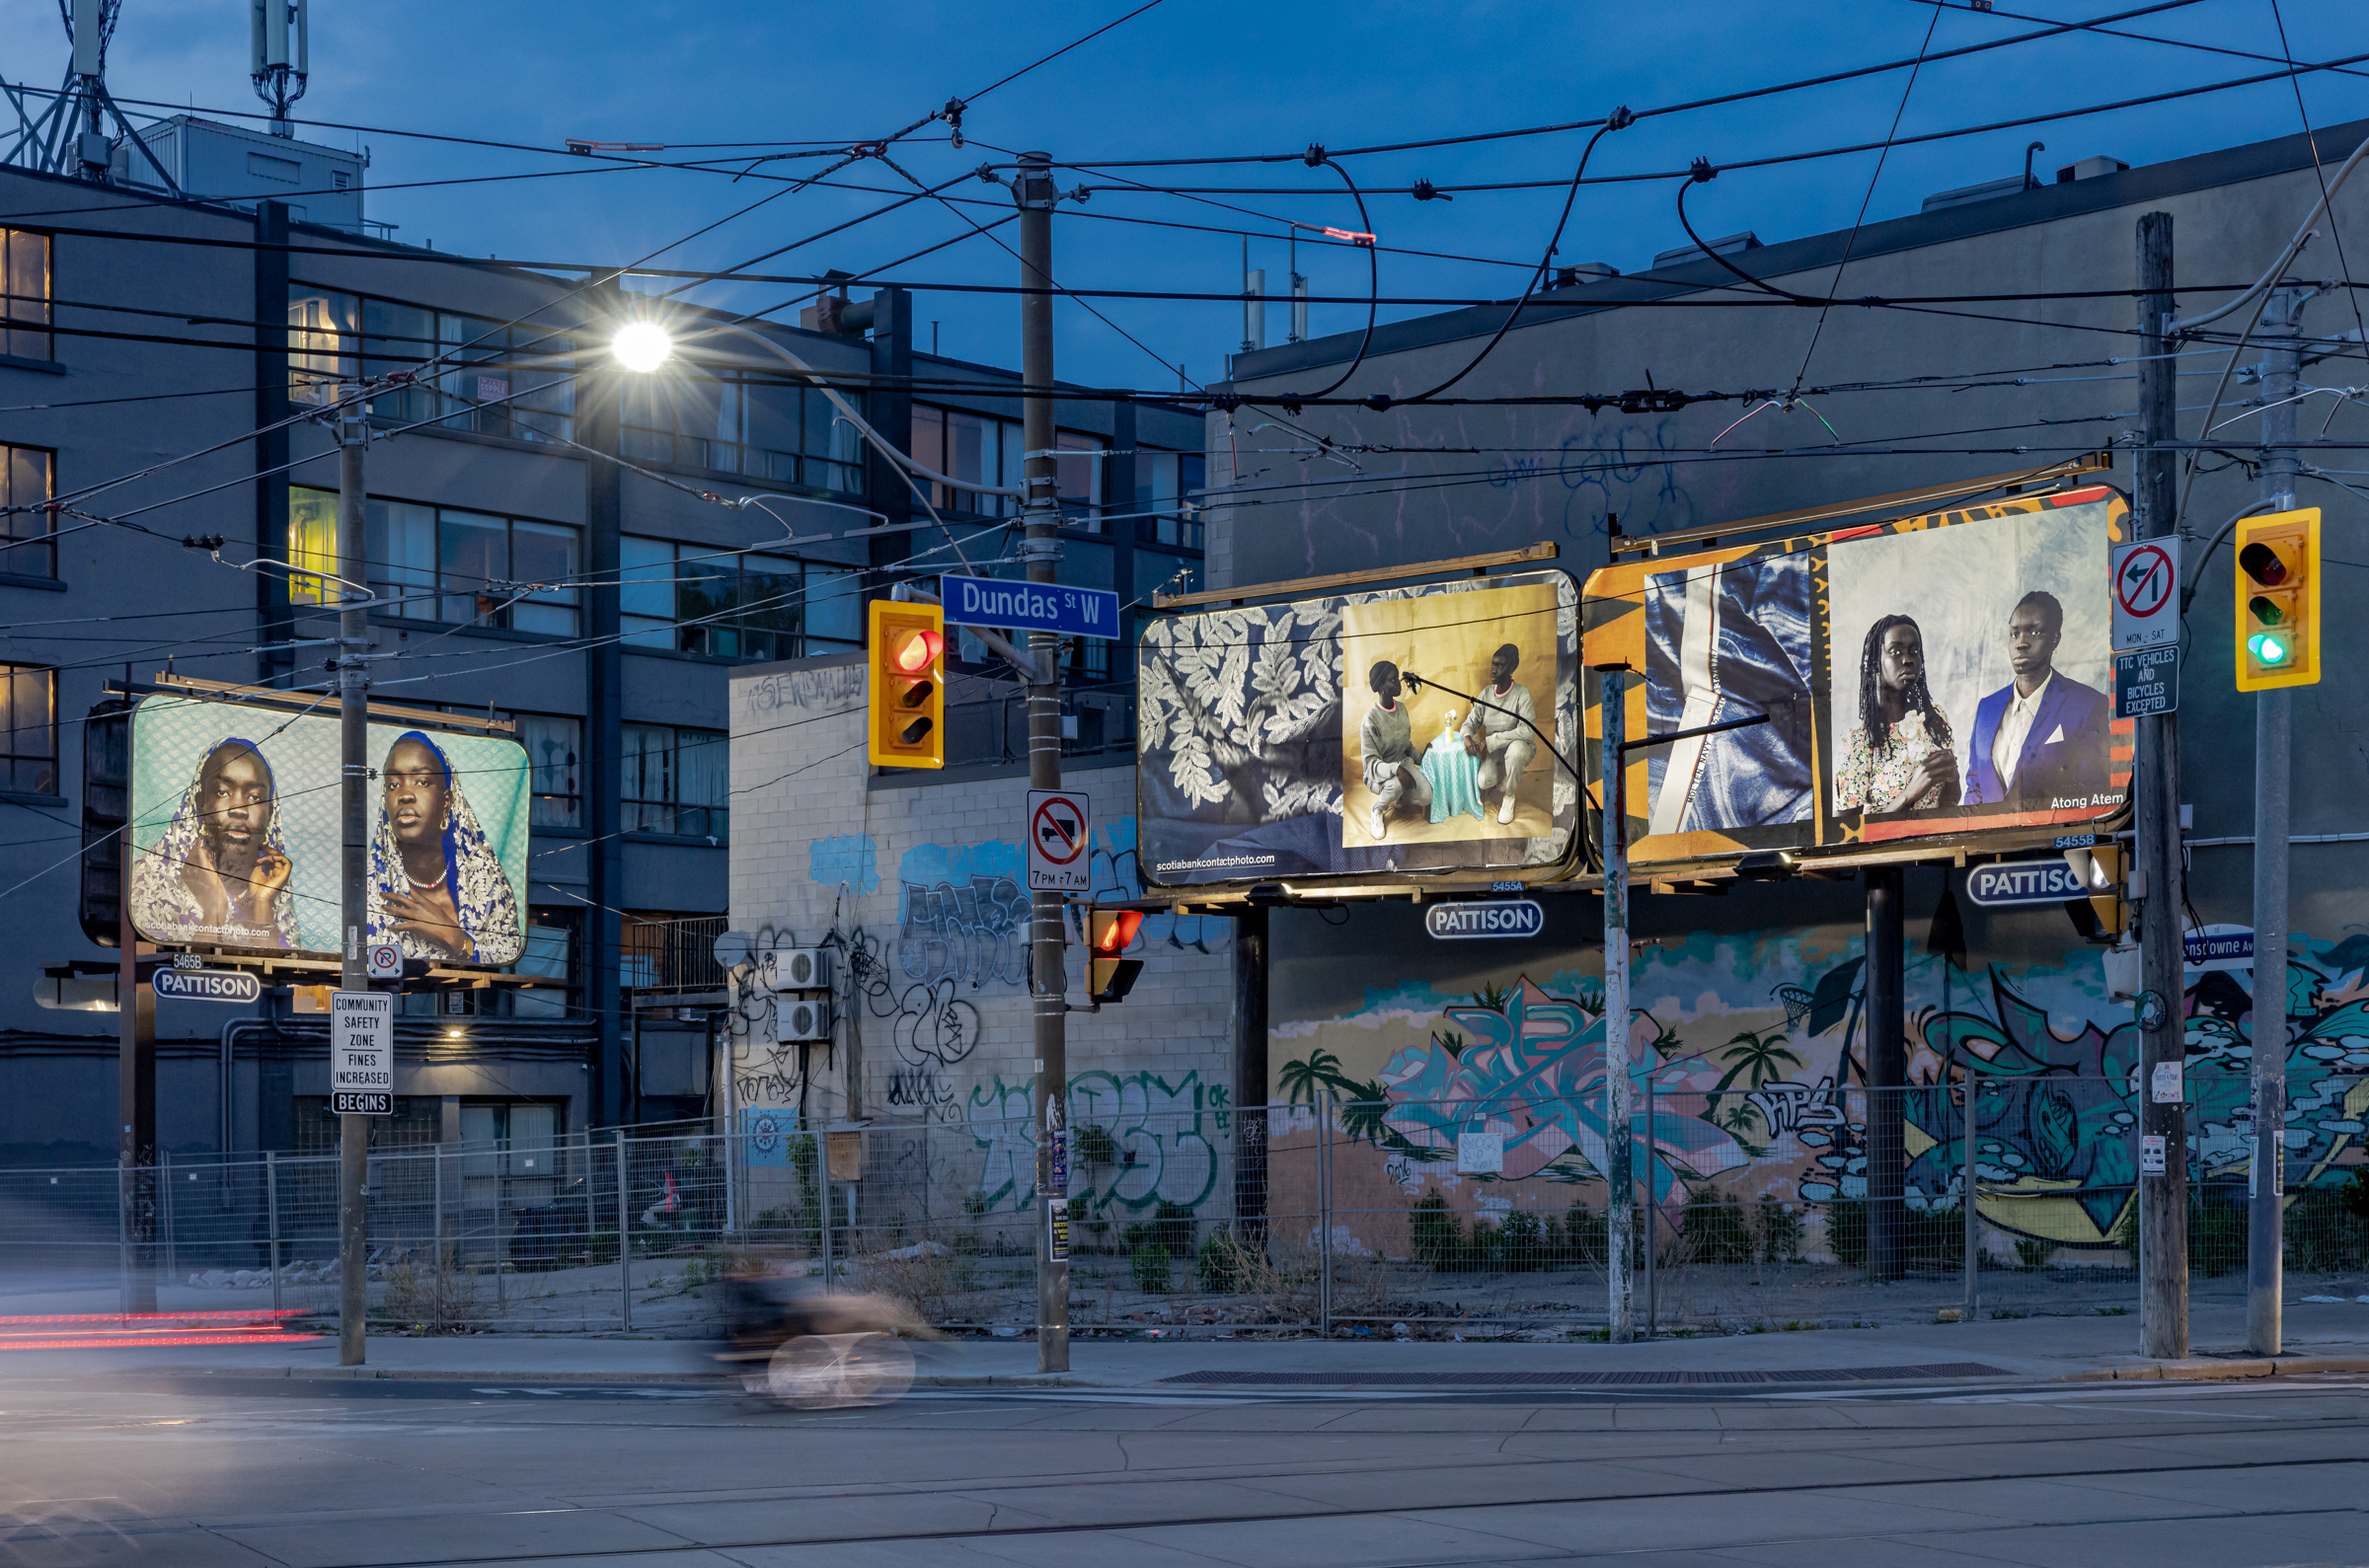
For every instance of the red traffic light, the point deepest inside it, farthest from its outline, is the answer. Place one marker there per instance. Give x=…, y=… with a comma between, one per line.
x=1112, y=930
x=916, y=650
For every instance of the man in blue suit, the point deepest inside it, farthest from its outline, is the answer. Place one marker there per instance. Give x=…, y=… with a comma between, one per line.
x=2040, y=741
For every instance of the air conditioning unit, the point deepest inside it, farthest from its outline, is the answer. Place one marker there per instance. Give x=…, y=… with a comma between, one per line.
x=801, y=968
x=804, y=1018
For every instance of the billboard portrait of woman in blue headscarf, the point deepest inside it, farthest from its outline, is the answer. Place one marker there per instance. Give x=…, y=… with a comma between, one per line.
x=437, y=887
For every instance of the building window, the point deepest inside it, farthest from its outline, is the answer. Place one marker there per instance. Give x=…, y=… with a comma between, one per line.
x=550, y=953
x=30, y=755
x=981, y=449
x=28, y=478
x=676, y=781
x=553, y=743
x=788, y=435
x=25, y=295
x=442, y=564
x=735, y=604
x=517, y=381
x=1168, y=487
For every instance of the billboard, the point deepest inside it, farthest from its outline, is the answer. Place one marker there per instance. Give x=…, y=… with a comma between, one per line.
x=1430, y=729
x=237, y=839
x=1941, y=676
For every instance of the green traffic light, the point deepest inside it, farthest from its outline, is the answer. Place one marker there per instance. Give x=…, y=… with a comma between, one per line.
x=2269, y=649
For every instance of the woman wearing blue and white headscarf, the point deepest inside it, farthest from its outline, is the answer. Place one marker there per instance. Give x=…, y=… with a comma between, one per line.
x=436, y=887
x=219, y=874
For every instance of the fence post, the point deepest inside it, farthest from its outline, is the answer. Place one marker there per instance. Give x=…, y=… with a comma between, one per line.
x=435, y=1176
x=1973, y=1201
x=822, y=1204
x=1323, y=1208
x=165, y=1172
x=271, y=1207
x=122, y=1243
x=625, y=1249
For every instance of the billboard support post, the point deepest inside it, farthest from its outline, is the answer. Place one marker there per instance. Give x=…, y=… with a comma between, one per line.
x=2281, y=363
x=1620, y=1202
x=2155, y=795
x=1886, y=1007
x=354, y=626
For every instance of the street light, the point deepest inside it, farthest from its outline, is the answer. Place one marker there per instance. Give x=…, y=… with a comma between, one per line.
x=642, y=346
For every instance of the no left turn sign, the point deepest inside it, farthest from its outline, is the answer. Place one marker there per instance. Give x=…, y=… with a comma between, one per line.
x=2146, y=591
x=1060, y=825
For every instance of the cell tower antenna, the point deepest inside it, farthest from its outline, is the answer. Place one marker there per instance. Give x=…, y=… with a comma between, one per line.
x=282, y=57
x=65, y=133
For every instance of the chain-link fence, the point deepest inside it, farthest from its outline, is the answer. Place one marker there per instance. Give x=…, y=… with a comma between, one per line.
x=1753, y=1208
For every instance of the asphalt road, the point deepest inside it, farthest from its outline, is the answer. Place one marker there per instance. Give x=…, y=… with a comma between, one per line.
x=228, y=1472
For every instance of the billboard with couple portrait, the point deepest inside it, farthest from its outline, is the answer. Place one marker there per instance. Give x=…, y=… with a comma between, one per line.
x=1425, y=730
x=1934, y=677
x=237, y=843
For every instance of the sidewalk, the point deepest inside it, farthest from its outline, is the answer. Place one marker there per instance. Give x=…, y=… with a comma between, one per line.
x=2320, y=1337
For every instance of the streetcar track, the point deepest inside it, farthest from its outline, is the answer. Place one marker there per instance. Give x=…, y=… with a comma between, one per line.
x=231, y=1531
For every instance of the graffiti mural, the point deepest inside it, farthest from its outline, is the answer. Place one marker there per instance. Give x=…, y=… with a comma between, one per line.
x=1754, y=1049
x=1136, y=1141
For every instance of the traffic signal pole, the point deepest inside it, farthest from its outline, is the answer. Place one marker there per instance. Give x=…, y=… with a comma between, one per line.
x=354, y=629
x=1032, y=191
x=2265, y=1231
x=2155, y=789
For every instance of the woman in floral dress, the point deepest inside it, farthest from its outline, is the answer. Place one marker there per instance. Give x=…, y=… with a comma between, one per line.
x=1898, y=757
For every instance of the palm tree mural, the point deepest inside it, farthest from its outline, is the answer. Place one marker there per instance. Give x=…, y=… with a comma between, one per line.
x=1757, y=1057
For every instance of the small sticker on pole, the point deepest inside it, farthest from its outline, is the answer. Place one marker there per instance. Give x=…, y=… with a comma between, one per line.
x=2151, y=1154
x=1060, y=826
x=2168, y=1086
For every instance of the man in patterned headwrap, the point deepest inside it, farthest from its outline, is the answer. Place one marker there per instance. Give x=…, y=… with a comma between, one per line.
x=436, y=887
x=219, y=874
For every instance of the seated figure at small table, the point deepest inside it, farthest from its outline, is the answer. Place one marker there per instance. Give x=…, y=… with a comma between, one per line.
x=1500, y=731
x=1386, y=739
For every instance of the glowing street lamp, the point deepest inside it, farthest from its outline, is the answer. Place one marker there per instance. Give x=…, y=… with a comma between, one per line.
x=642, y=346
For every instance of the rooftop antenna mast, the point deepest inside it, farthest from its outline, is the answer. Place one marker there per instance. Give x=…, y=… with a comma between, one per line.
x=281, y=31
x=65, y=133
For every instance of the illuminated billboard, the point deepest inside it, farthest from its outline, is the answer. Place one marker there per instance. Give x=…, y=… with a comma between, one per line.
x=1410, y=732
x=1936, y=677
x=237, y=839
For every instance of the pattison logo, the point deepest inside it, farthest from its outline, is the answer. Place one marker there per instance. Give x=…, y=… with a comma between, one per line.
x=1521, y=917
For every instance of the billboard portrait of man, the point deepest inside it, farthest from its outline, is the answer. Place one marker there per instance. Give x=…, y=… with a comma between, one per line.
x=2040, y=741
x=1501, y=729
x=219, y=874
x=438, y=886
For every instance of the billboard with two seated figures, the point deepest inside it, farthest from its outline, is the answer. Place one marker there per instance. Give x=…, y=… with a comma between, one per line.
x=1940, y=677
x=1418, y=731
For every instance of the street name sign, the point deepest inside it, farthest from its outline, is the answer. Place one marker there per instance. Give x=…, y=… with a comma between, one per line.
x=207, y=984
x=1060, y=823
x=1028, y=606
x=361, y=1053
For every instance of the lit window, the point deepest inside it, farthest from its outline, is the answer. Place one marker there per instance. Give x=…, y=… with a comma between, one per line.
x=27, y=476
x=25, y=296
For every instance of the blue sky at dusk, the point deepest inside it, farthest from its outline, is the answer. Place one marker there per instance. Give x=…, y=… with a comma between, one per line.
x=1196, y=77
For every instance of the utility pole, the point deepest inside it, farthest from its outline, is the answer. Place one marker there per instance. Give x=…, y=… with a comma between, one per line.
x=2154, y=788
x=1883, y=981
x=1033, y=189
x=1620, y=1211
x=2266, y=1235
x=354, y=627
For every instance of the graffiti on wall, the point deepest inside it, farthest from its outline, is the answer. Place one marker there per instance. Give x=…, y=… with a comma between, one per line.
x=1136, y=1141
x=1754, y=1047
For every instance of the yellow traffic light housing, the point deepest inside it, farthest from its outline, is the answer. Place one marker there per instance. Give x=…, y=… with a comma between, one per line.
x=2279, y=600
x=1108, y=975
x=906, y=699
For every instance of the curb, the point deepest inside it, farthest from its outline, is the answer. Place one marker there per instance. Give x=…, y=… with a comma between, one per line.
x=690, y=1378
x=2221, y=1369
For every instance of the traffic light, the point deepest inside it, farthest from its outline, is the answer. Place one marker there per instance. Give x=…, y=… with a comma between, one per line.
x=1109, y=976
x=907, y=697
x=2279, y=600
